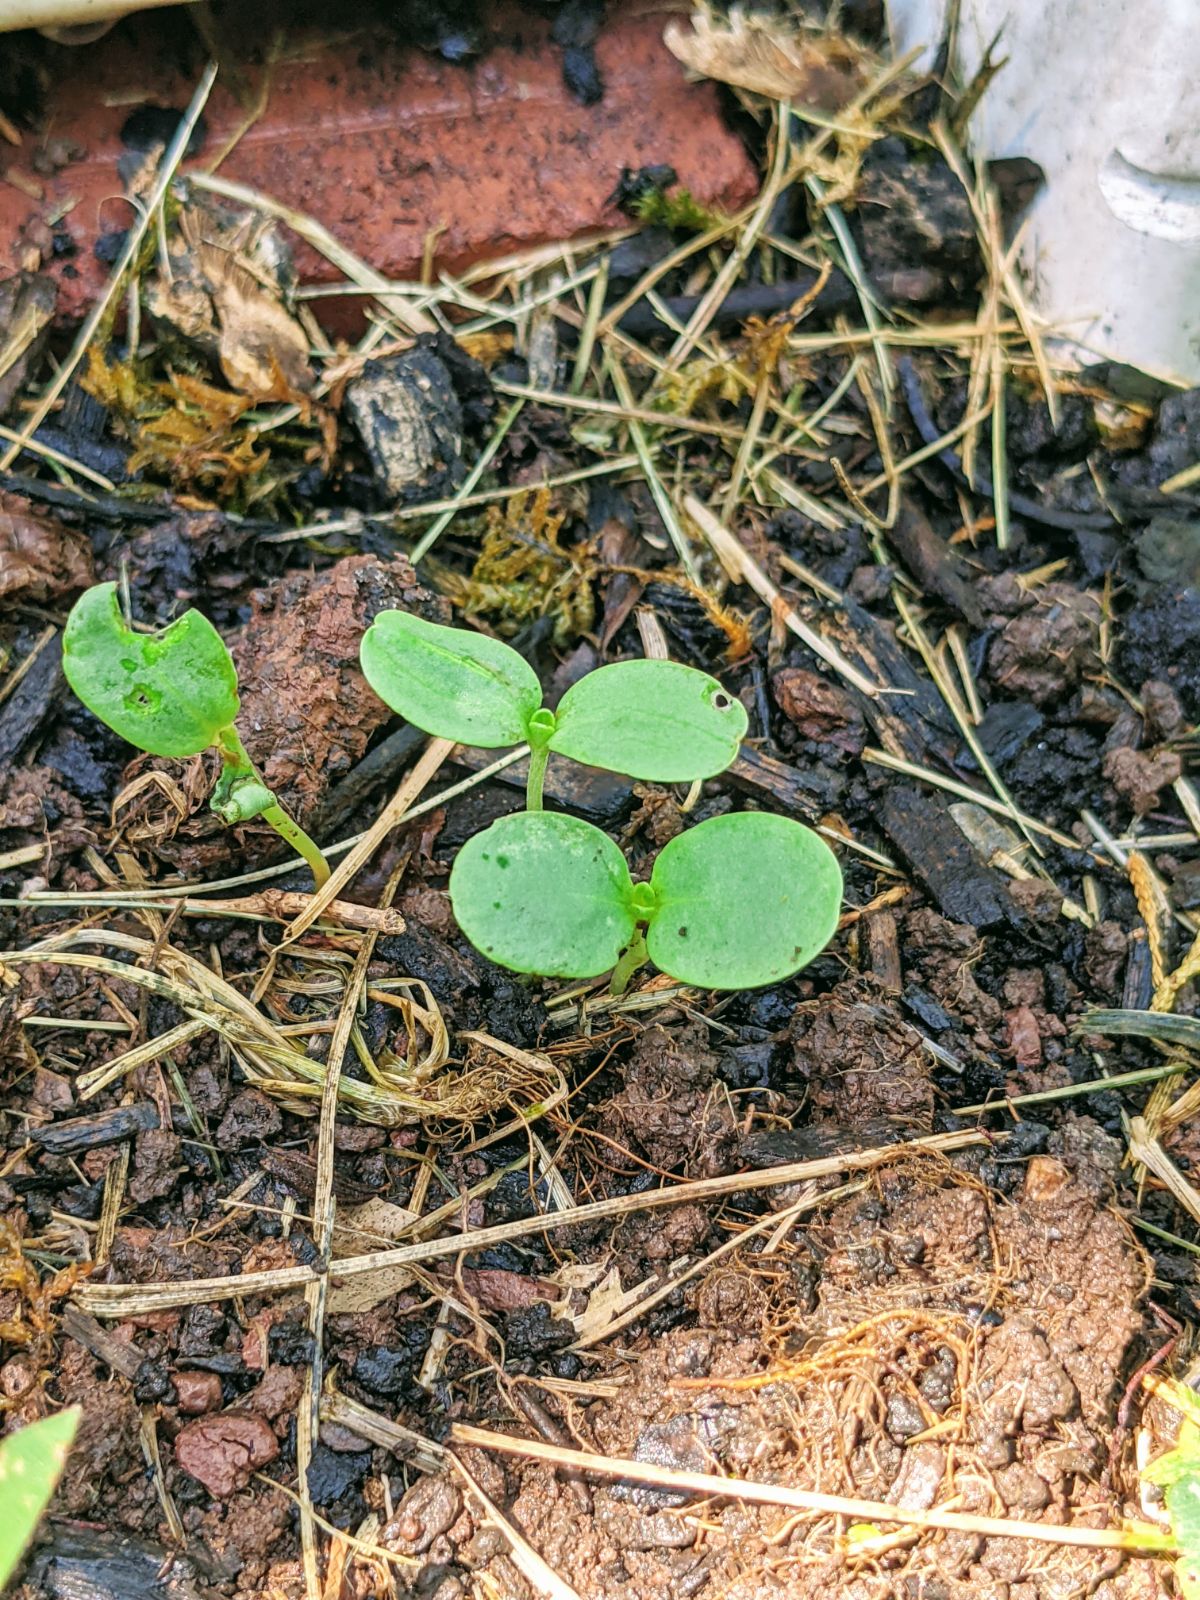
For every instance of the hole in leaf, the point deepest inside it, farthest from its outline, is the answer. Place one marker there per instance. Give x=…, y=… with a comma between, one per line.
x=143, y=698
x=722, y=701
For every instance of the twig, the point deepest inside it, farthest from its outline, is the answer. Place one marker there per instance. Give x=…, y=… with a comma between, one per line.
x=323, y=1214
x=68, y=463
x=772, y=1494
x=1181, y=480
x=390, y=817
x=1119, y=1080
x=108, y=1299
x=533, y=1569
x=172, y=891
x=882, y=758
x=270, y=905
x=394, y=1436
x=17, y=676
x=772, y=1221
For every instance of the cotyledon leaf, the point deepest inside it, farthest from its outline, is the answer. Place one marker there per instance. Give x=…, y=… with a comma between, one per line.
x=169, y=693
x=655, y=720
x=539, y=892
x=31, y=1463
x=450, y=682
x=742, y=900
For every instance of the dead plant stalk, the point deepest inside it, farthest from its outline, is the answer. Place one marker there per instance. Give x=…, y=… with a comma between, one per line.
x=771, y=1494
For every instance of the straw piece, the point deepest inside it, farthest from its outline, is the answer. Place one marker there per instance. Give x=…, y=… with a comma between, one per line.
x=115, y=1300
x=776, y=1494
x=742, y=568
x=392, y=814
x=393, y=296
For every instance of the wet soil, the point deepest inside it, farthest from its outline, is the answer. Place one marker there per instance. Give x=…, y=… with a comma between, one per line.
x=947, y=1329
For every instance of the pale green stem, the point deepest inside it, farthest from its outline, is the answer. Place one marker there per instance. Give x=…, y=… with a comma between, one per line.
x=234, y=754
x=300, y=842
x=539, y=730
x=634, y=957
x=538, y=757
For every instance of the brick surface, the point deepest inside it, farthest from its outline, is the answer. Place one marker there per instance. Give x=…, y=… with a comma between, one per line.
x=383, y=142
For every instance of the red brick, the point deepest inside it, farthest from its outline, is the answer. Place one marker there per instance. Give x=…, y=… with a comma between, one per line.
x=383, y=142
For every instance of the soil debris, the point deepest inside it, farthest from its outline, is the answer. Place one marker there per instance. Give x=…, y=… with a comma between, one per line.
x=971, y=665
x=222, y=1452
x=40, y=560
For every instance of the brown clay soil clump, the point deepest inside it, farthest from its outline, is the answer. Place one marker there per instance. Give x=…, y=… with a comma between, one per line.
x=959, y=1347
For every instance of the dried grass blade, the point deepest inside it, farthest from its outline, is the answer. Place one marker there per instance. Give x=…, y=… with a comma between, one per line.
x=533, y=1569
x=111, y=1299
x=393, y=297
x=771, y=1494
x=742, y=568
x=1147, y=1152
x=390, y=817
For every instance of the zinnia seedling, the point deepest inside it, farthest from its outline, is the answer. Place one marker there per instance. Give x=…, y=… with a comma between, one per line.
x=173, y=693
x=733, y=903
x=655, y=720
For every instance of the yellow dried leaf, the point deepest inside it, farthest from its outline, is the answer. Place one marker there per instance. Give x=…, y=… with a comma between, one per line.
x=761, y=54
x=262, y=349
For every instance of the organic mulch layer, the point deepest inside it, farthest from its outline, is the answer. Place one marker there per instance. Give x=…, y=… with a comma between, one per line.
x=379, y=1270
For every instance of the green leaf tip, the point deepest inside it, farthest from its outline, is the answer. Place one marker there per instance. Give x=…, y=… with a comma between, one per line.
x=658, y=721
x=450, y=682
x=31, y=1463
x=169, y=693
x=734, y=903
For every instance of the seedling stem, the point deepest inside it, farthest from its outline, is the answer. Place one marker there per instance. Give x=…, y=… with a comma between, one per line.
x=634, y=956
x=541, y=730
x=241, y=794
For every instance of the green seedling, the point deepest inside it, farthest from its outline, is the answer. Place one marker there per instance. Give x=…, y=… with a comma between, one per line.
x=655, y=720
x=733, y=903
x=173, y=693
x=31, y=1463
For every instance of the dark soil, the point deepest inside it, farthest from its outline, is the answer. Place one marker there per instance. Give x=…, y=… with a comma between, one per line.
x=954, y=1330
